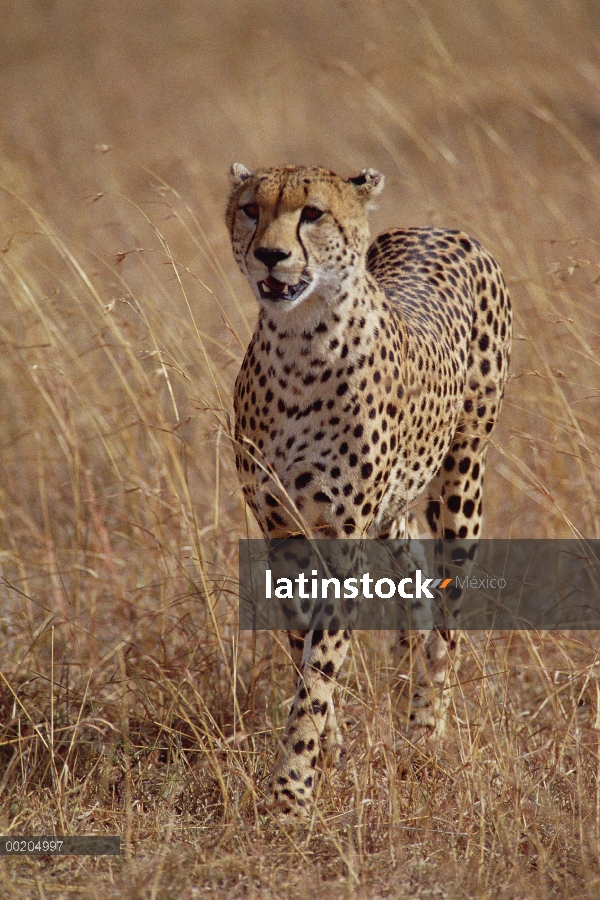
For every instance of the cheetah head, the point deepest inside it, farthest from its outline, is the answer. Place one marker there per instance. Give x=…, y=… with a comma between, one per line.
x=299, y=233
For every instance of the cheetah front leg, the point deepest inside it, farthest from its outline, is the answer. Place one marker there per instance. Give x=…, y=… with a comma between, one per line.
x=331, y=746
x=453, y=511
x=296, y=765
x=435, y=660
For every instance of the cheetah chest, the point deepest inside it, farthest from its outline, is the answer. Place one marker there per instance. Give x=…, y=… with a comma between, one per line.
x=335, y=431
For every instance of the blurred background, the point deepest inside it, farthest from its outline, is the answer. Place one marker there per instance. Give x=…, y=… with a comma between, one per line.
x=123, y=319
x=119, y=119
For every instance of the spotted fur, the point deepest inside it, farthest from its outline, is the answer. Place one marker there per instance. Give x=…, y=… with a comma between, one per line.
x=374, y=377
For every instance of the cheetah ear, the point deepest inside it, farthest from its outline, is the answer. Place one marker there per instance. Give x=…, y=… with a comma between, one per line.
x=238, y=174
x=368, y=185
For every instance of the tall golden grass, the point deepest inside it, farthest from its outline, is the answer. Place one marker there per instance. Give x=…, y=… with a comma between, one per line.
x=130, y=704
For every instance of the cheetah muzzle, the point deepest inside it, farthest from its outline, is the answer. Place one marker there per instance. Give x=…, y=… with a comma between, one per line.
x=273, y=289
x=369, y=390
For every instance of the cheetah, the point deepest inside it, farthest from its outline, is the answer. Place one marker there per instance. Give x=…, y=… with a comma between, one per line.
x=374, y=377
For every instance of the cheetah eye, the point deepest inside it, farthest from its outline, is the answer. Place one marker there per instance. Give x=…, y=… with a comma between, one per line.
x=311, y=214
x=251, y=210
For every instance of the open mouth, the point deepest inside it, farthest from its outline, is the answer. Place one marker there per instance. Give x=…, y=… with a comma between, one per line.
x=272, y=289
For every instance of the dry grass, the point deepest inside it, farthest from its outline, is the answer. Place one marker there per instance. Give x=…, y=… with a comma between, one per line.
x=129, y=702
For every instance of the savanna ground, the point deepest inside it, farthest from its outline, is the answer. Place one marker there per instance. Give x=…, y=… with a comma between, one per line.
x=130, y=704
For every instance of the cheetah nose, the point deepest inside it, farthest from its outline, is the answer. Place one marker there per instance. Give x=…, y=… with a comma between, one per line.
x=270, y=257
